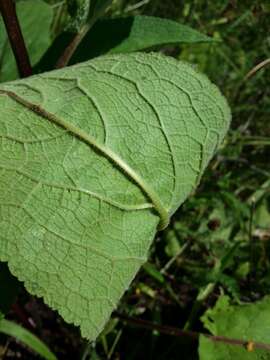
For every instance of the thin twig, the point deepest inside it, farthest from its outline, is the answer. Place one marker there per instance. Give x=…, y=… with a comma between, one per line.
x=169, y=330
x=88, y=349
x=136, y=6
x=257, y=68
x=203, y=294
x=174, y=258
x=251, y=239
x=8, y=11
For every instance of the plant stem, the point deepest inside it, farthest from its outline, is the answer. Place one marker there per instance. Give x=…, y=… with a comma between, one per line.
x=71, y=48
x=169, y=330
x=8, y=11
x=202, y=295
x=174, y=258
x=116, y=340
x=251, y=240
x=89, y=346
x=257, y=68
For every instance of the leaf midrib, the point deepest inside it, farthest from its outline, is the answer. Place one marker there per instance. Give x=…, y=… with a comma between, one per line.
x=106, y=152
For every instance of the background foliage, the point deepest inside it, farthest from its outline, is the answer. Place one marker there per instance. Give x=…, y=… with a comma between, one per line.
x=218, y=242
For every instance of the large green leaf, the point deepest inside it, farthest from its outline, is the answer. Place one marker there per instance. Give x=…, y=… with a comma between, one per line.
x=35, y=18
x=93, y=159
x=249, y=322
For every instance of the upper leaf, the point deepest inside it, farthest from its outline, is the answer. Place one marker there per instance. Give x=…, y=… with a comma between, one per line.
x=93, y=157
x=33, y=16
x=134, y=33
x=122, y=35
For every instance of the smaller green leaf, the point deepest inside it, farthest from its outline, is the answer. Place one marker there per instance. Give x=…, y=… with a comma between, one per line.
x=11, y=329
x=135, y=33
x=122, y=35
x=33, y=16
x=247, y=322
x=210, y=350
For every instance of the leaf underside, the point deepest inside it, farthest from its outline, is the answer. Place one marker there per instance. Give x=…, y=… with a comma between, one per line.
x=93, y=158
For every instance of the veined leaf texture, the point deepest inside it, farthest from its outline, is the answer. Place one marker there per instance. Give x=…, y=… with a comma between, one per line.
x=93, y=159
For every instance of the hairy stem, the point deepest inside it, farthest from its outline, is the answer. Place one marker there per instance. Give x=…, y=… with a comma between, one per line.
x=8, y=11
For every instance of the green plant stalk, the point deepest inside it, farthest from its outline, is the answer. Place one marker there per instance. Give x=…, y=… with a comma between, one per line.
x=88, y=349
x=58, y=17
x=208, y=289
x=174, y=258
x=115, y=342
x=201, y=297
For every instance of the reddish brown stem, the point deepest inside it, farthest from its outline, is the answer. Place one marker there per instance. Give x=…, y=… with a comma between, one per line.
x=8, y=11
x=71, y=48
x=169, y=330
